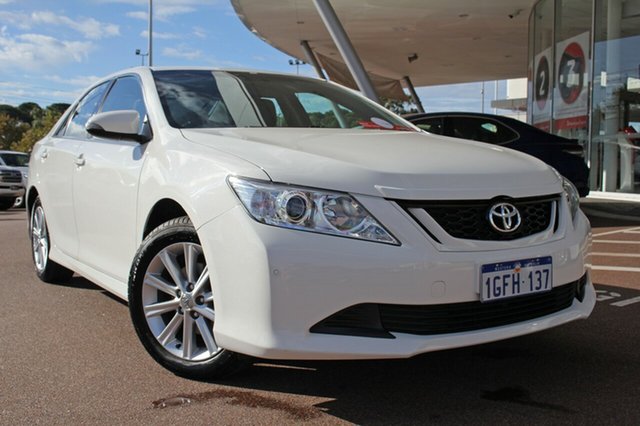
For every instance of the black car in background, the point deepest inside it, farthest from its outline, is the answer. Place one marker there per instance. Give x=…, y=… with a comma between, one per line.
x=565, y=155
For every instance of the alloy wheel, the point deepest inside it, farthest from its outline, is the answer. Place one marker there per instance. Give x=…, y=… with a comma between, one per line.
x=178, y=304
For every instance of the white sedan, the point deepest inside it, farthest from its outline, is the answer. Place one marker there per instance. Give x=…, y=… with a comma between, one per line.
x=245, y=213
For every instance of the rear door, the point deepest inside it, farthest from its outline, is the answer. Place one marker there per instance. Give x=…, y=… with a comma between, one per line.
x=55, y=159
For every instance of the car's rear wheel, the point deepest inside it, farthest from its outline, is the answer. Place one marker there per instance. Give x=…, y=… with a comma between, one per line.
x=46, y=269
x=6, y=203
x=172, y=303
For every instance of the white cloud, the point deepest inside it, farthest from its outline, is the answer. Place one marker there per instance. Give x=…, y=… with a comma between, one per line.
x=165, y=12
x=15, y=93
x=89, y=27
x=6, y=1
x=160, y=36
x=77, y=81
x=19, y=20
x=138, y=15
x=182, y=53
x=162, y=12
x=199, y=32
x=37, y=51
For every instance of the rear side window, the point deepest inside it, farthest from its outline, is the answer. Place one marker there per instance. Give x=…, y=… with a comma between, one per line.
x=85, y=109
x=481, y=129
x=432, y=125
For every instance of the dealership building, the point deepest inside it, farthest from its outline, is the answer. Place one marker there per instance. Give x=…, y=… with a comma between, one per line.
x=581, y=60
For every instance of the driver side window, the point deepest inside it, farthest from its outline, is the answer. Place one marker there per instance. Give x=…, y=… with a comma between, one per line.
x=126, y=94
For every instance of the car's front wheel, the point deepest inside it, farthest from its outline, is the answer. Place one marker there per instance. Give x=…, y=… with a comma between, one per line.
x=47, y=270
x=172, y=303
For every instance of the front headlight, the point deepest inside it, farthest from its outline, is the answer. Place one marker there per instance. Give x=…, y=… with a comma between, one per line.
x=307, y=209
x=573, y=198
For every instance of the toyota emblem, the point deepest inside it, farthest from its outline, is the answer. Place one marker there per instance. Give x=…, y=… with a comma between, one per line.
x=504, y=217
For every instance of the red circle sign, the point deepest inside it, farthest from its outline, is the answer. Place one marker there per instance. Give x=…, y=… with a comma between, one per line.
x=571, y=72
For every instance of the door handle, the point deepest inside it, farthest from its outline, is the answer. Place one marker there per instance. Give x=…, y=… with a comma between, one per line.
x=80, y=161
x=44, y=154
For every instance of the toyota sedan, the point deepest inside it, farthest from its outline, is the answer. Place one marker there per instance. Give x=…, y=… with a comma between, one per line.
x=248, y=214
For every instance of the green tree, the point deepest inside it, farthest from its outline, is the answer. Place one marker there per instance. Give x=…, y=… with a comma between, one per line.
x=38, y=130
x=399, y=107
x=11, y=130
x=58, y=108
x=14, y=113
x=31, y=109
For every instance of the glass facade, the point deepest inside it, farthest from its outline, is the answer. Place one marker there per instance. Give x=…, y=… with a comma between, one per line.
x=584, y=83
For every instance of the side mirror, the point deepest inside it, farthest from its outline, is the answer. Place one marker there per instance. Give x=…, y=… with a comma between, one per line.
x=117, y=124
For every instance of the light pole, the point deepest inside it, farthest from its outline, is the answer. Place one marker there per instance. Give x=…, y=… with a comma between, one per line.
x=297, y=63
x=150, y=49
x=142, y=55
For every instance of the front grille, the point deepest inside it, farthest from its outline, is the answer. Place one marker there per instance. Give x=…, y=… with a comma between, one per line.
x=378, y=320
x=470, y=219
x=10, y=176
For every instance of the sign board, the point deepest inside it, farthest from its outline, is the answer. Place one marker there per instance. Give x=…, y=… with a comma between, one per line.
x=571, y=97
x=541, y=114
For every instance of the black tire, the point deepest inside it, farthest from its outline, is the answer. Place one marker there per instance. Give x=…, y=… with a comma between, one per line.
x=186, y=299
x=7, y=203
x=46, y=269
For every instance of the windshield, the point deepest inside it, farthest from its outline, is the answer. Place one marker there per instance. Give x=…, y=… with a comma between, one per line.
x=205, y=99
x=15, y=159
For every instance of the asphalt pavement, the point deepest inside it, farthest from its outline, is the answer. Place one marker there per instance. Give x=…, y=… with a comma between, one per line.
x=69, y=355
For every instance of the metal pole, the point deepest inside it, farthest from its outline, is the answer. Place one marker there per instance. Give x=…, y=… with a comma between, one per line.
x=412, y=91
x=311, y=58
x=495, y=96
x=482, y=94
x=340, y=38
x=150, y=50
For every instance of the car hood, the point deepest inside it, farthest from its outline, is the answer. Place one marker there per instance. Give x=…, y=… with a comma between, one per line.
x=394, y=164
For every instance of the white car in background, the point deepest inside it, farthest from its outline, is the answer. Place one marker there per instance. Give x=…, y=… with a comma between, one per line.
x=248, y=213
x=11, y=187
x=19, y=161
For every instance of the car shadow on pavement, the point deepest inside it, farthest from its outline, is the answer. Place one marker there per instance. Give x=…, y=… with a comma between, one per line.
x=79, y=283
x=540, y=378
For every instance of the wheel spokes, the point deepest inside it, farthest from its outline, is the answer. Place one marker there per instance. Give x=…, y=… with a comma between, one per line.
x=203, y=279
x=39, y=239
x=178, y=302
x=187, y=337
x=171, y=330
x=159, y=283
x=172, y=267
x=207, y=336
x=191, y=254
x=156, y=309
x=208, y=313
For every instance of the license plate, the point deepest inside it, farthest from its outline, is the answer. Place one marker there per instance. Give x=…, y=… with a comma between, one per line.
x=516, y=278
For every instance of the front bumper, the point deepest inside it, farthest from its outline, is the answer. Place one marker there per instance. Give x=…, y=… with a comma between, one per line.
x=11, y=190
x=273, y=285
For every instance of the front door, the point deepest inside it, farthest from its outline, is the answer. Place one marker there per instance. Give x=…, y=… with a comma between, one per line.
x=106, y=189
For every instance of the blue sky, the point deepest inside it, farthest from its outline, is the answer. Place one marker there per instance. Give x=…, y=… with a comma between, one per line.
x=51, y=50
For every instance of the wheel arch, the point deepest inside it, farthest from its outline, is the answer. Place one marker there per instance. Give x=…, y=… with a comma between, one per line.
x=31, y=195
x=161, y=212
